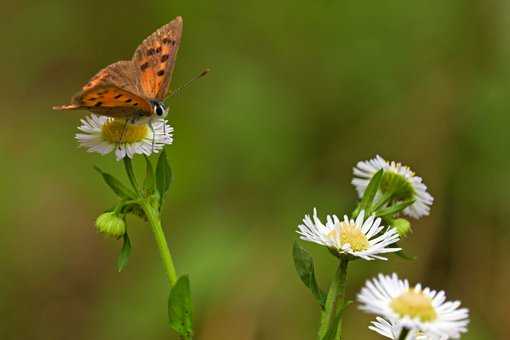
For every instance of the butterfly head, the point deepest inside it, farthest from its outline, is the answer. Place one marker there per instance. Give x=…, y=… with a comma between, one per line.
x=159, y=108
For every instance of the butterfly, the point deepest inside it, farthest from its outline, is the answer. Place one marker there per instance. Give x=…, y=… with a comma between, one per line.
x=134, y=89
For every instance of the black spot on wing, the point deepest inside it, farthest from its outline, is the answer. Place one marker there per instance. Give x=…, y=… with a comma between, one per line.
x=161, y=73
x=164, y=57
x=98, y=104
x=168, y=41
x=144, y=66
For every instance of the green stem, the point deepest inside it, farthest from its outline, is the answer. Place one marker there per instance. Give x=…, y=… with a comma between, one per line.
x=385, y=198
x=128, y=165
x=155, y=222
x=335, y=302
x=403, y=334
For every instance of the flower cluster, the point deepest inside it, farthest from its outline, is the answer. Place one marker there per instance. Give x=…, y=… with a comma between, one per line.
x=388, y=192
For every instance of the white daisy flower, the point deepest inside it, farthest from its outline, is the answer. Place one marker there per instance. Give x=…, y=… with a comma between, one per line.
x=392, y=329
x=417, y=309
x=102, y=134
x=395, y=175
x=361, y=238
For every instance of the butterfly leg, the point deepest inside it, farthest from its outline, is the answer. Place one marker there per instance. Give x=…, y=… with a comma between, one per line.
x=153, y=135
x=122, y=134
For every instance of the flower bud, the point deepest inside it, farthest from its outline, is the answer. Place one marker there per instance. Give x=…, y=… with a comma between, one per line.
x=402, y=225
x=111, y=224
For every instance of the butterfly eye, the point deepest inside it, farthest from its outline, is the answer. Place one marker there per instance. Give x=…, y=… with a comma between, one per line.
x=158, y=108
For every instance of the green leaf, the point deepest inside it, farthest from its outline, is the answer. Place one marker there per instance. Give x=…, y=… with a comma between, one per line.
x=149, y=183
x=128, y=165
x=395, y=208
x=163, y=174
x=368, y=196
x=123, y=258
x=120, y=189
x=179, y=308
x=303, y=262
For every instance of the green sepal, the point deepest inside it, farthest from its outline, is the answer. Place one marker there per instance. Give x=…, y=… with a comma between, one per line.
x=125, y=251
x=149, y=184
x=303, y=262
x=395, y=208
x=180, y=309
x=333, y=329
x=163, y=175
x=368, y=196
x=120, y=189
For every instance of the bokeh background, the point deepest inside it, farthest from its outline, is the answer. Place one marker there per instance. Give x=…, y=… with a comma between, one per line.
x=299, y=92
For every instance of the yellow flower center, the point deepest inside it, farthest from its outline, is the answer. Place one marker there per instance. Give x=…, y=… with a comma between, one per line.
x=414, y=304
x=348, y=233
x=117, y=131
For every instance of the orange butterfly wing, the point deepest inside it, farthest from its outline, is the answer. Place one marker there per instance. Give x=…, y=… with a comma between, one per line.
x=112, y=92
x=154, y=59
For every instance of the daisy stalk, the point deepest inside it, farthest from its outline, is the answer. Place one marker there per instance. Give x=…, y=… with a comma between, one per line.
x=151, y=209
x=143, y=199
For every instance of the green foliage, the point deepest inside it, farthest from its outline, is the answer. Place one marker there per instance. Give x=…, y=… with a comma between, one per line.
x=163, y=175
x=125, y=251
x=120, y=189
x=394, y=208
x=303, y=262
x=180, y=309
x=368, y=196
x=128, y=165
x=149, y=182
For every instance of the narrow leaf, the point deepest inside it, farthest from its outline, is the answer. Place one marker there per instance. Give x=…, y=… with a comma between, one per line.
x=368, y=196
x=395, y=208
x=179, y=308
x=149, y=182
x=163, y=174
x=128, y=165
x=123, y=258
x=120, y=189
x=303, y=262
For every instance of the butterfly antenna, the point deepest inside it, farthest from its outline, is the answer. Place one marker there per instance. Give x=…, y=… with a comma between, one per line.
x=188, y=83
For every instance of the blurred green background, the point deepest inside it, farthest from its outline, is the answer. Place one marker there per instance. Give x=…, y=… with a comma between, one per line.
x=299, y=92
